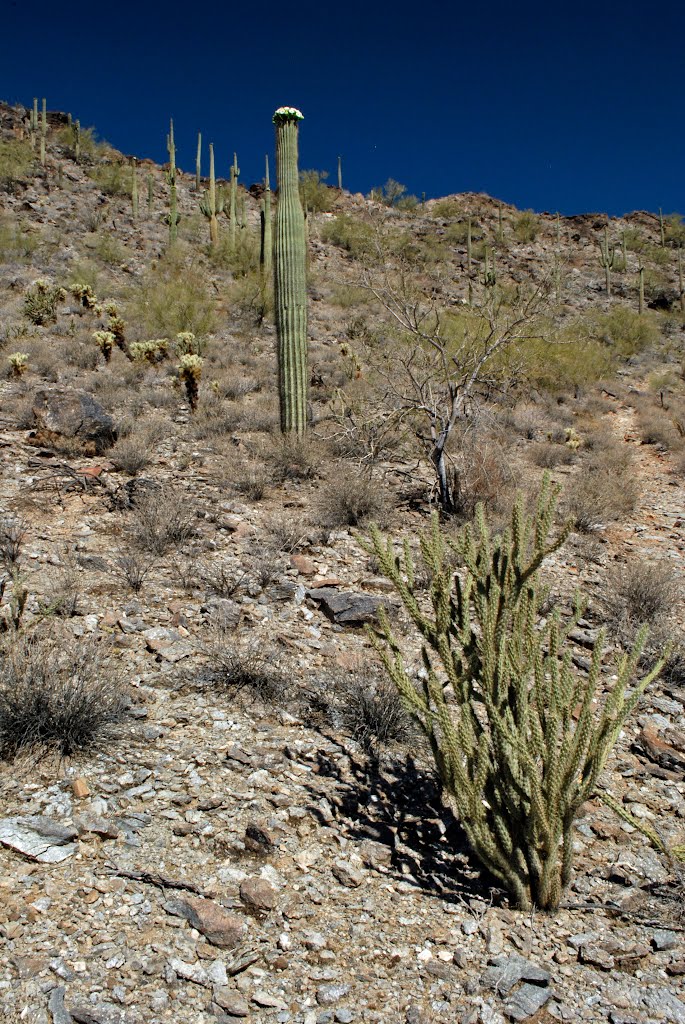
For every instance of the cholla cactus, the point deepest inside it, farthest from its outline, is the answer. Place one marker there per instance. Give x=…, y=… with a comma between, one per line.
x=187, y=344
x=152, y=352
x=189, y=372
x=519, y=737
x=41, y=301
x=105, y=341
x=18, y=362
x=84, y=295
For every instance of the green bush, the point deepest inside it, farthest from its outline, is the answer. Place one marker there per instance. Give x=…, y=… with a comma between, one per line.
x=626, y=331
x=674, y=230
x=355, y=236
x=172, y=297
x=447, y=208
x=316, y=196
x=526, y=226
x=16, y=158
x=114, y=179
x=16, y=243
x=519, y=737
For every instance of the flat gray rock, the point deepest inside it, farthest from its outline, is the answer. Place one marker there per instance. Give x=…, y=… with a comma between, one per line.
x=505, y=972
x=39, y=838
x=526, y=1001
x=345, y=607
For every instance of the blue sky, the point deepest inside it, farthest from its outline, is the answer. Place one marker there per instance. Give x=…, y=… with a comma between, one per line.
x=576, y=107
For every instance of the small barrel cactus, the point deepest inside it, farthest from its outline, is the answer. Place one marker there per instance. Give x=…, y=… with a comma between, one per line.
x=189, y=372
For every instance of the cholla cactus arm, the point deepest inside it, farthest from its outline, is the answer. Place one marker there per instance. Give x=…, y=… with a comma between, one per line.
x=190, y=372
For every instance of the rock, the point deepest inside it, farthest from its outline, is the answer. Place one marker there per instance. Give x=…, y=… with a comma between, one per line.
x=505, y=972
x=347, y=874
x=189, y=972
x=232, y=1001
x=56, y=1006
x=67, y=413
x=663, y=939
x=168, y=643
x=526, y=1001
x=258, y=894
x=597, y=956
x=98, y=826
x=258, y=840
x=326, y=995
x=304, y=565
x=218, y=926
x=265, y=999
x=39, y=838
x=345, y=607
x=659, y=751
x=79, y=788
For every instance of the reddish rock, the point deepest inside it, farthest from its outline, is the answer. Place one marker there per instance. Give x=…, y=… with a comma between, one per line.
x=258, y=894
x=218, y=926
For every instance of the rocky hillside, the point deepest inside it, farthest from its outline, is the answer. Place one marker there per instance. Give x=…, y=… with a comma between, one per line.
x=258, y=834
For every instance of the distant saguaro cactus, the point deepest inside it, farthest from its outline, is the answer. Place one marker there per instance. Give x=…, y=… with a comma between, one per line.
x=607, y=258
x=134, y=188
x=235, y=174
x=212, y=204
x=290, y=281
x=198, y=162
x=43, y=132
x=172, y=217
x=340, y=173
x=266, y=248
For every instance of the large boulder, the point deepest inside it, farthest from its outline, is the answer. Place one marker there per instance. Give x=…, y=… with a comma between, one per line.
x=65, y=413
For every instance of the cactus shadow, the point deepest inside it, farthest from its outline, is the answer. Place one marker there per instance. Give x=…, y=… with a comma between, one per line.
x=397, y=803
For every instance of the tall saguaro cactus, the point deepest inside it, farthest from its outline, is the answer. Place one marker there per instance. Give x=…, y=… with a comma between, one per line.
x=43, y=132
x=211, y=204
x=266, y=248
x=290, y=281
x=198, y=162
x=172, y=216
x=235, y=174
x=607, y=258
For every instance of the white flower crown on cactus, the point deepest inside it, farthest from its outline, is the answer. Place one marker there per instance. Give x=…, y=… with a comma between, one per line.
x=288, y=114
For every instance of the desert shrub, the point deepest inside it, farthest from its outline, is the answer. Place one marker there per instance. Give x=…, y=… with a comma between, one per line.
x=172, y=298
x=658, y=425
x=162, y=518
x=16, y=243
x=114, y=179
x=642, y=591
x=370, y=707
x=286, y=534
x=457, y=234
x=352, y=498
x=220, y=578
x=389, y=194
x=41, y=301
x=355, y=236
x=293, y=458
x=249, y=301
x=626, y=330
x=526, y=226
x=604, y=490
x=57, y=693
x=247, y=671
x=241, y=259
x=547, y=455
x=348, y=296
x=518, y=735
x=447, y=208
x=564, y=363
x=252, y=481
x=674, y=230
x=16, y=157
x=131, y=454
x=109, y=249
x=316, y=196
x=12, y=534
x=62, y=593
x=481, y=474
x=132, y=569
